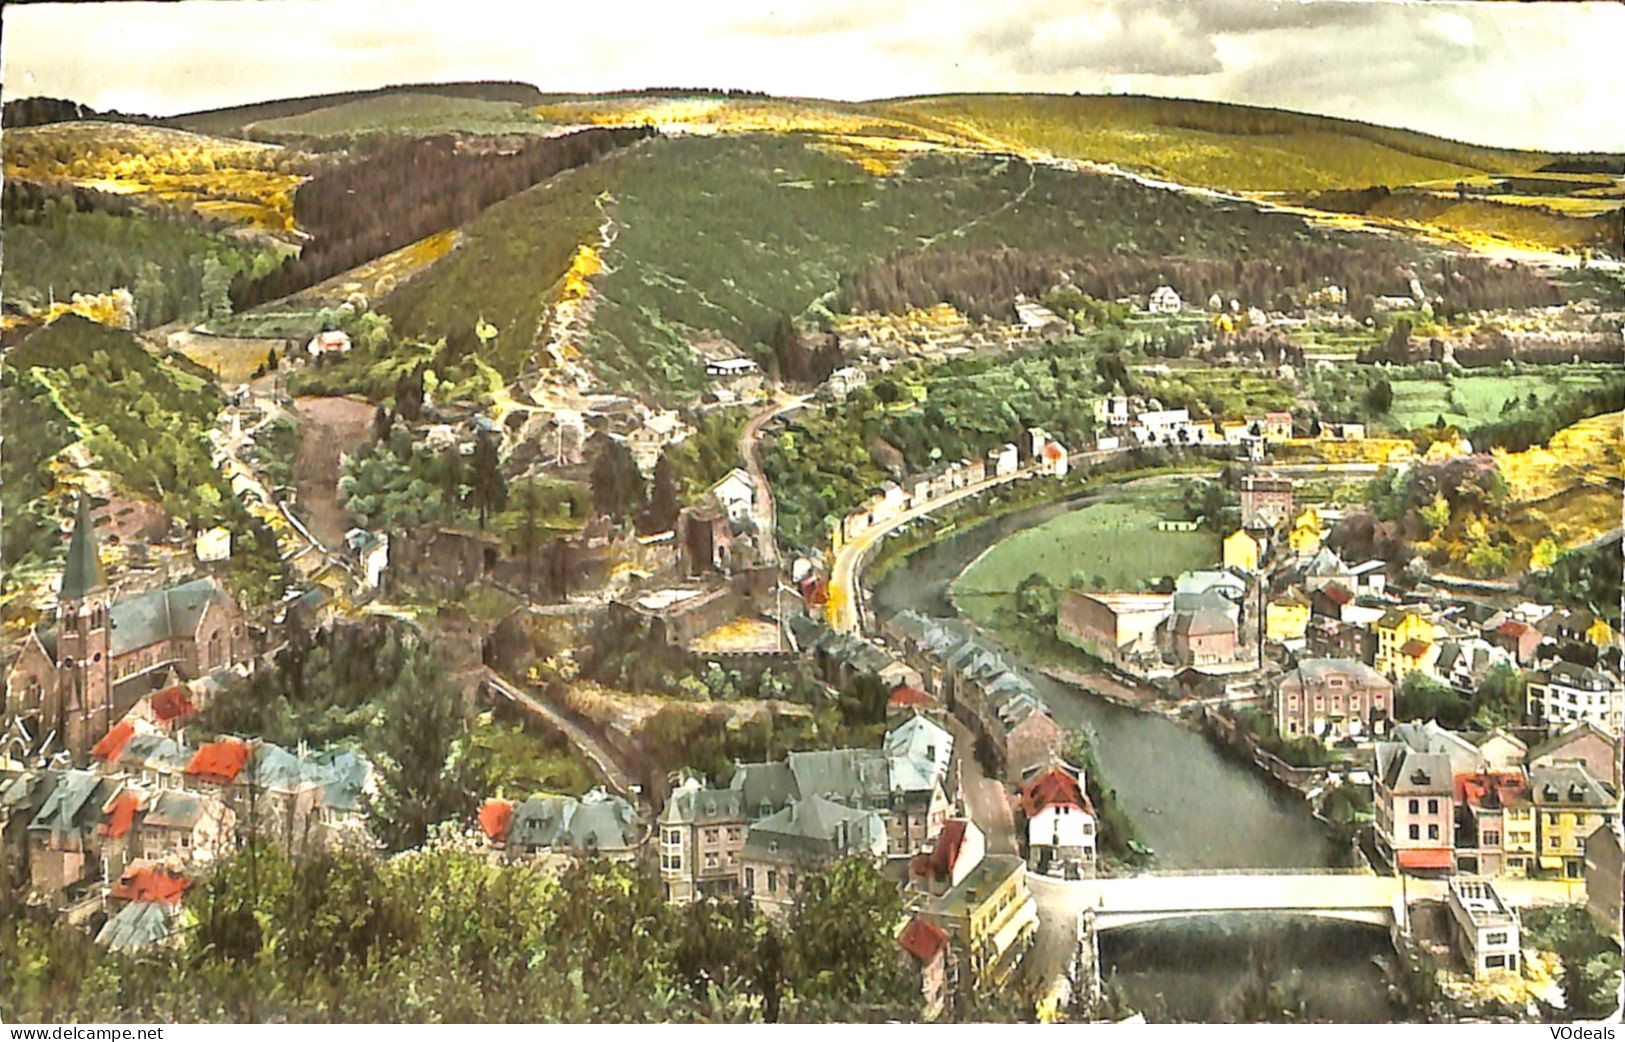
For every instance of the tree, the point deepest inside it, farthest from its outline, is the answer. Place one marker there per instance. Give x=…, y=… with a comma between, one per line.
x=216, y=293
x=1380, y=397
x=488, y=488
x=617, y=486
x=383, y=421
x=843, y=946
x=663, y=502
x=1500, y=698
x=1421, y=697
x=427, y=767
x=527, y=533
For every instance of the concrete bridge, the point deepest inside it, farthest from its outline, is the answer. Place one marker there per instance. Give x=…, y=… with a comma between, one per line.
x=1350, y=896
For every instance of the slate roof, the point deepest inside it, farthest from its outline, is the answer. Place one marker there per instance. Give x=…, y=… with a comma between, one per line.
x=82, y=572
x=64, y=810
x=853, y=776
x=814, y=828
x=917, y=754
x=138, y=925
x=595, y=822
x=698, y=805
x=160, y=614
x=1567, y=784
x=1318, y=670
x=174, y=810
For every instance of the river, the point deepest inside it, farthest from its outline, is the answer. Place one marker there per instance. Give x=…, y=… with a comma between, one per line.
x=1197, y=808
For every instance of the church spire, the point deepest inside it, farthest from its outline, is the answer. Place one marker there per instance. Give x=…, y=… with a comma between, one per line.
x=83, y=573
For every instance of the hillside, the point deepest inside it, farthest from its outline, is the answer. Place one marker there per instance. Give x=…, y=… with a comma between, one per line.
x=237, y=119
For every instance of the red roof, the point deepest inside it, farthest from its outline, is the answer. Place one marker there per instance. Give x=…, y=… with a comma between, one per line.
x=1508, y=786
x=1337, y=594
x=1050, y=787
x=113, y=742
x=143, y=881
x=939, y=863
x=814, y=590
x=1426, y=859
x=904, y=695
x=221, y=761
x=494, y=818
x=1414, y=648
x=120, y=815
x=172, y=703
x=923, y=940
x=1053, y=450
x=1515, y=628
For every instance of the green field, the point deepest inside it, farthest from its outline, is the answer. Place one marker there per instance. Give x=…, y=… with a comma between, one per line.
x=405, y=115
x=1465, y=401
x=1108, y=545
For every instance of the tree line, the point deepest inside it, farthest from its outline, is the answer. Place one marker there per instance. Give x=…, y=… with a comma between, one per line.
x=395, y=197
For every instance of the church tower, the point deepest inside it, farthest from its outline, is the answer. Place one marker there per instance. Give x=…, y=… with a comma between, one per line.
x=83, y=612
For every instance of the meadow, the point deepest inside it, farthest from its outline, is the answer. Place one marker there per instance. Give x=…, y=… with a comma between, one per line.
x=1465, y=401
x=397, y=115
x=1111, y=544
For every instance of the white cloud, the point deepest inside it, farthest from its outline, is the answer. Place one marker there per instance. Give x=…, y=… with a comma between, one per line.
x=1526, y=75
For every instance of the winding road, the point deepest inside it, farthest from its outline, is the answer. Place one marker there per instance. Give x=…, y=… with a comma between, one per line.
x=763, y=510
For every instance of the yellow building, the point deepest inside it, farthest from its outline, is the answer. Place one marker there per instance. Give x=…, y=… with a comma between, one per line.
x=1241, y=551
x=1406, y=643
x=1286, y=618
x=1518, y=847
x=1305, y=535
x=1570, y=805
x=1600, y=633
x=991, y=916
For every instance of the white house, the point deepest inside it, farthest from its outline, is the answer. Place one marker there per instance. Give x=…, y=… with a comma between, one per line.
x=1164, y=301
x=214, y=544
x=1061, y=835
x=1053, y=459
x=1004, y=460
x=724, y=368
x=845, y=380
x=1485, y=929
x=735, y=494
x=331, y=341
x=371, y=550
x=1568, y=692
x=1163, y=427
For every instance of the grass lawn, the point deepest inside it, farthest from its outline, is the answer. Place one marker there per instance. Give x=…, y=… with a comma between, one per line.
x=1114, y=544
x=1468, y=400
x=523, y=764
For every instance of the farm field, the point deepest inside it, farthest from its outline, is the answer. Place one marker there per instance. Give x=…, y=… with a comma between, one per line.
x=1464, y=401
x=400, y=115
x=1108, y=545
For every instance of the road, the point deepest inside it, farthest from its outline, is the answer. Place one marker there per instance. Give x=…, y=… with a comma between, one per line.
x=763, y=511
x=604, y=764
x=985, y=798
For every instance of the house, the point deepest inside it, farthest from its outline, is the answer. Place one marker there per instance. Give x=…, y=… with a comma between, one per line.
x=214, y=544
x=1501, y=750
x=1031, y=737
x=1052, y=459
x=1407, y=642
x=1164, y=301
x=1242, y=551
x=1204, y=636
x=64, y=838
x=981, y=901
x=1570, y=804
x=1112, y=626
x=729, y=368
x=195, y=828
x=907, y=700
x=1464, y=662
x=1060, y=824
x=1333, y=699
x=1277, y=426
x=918, y=752
x=1004, y=460
x=1485, y=929
x=702, y=836
x=1604, y=870
x=1568, y=692
x=1517, y=637
x=139, y=927
x=1163, y=427
x=736, y=495
x=1266, y=501
x=1495, y=823
x=1414, y=796
x=1583, y=743
x=593, y=825
x=926, y=946
x=1306, y=534
x=369, y=550
x=328, y=342
x=782, y=849
x=1286, y=618
x=103, y=655
x=843, y=381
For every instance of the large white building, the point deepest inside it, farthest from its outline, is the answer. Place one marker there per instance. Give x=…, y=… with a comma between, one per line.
x=1568, y=692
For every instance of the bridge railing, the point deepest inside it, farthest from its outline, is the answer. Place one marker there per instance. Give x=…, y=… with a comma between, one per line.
x=1177, y=873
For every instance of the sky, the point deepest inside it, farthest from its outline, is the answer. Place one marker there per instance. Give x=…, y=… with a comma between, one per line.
x=1507, y=74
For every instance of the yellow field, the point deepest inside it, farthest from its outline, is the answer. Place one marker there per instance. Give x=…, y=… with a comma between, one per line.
x=238, y=180
x=1592, y=452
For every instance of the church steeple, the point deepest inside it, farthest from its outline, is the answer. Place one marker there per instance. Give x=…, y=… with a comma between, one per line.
x=83, y=574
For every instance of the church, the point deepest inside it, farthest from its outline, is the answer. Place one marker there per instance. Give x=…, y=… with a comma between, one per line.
x=76, y=679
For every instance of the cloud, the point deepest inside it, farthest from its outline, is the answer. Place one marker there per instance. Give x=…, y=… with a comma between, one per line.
x=1525, y=75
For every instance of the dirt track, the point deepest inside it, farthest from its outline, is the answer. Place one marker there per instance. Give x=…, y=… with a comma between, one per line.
x=328, y=428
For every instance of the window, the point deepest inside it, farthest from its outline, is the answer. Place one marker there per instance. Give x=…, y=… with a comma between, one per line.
x=733, y=833
x=1492, y=839
x=1495, y=961
x=1433, y=832
x=1416, y=832
x=772, y=881
x=711, y=835
x=1552, y=842
x=750, y=879
x=711, y=860
x=1416, y=806
x=1497, y=937
x=1433, y=806
x=674, y=837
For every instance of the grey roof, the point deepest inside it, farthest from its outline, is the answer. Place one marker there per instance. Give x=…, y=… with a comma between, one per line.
x=160, y=614
x=917, y=754
x=1406, y=771
x=759, y=785
x=82, y=572
x=343, y=775
x=155, y=751
x=595, y=822
x=1204, y=620
x=137, y=925
x=1568, y=784
x=815, y=828
x=911, y=624
x=174, y=810
x=1575, y=675
x=64, y=809
x=1208, y=580
x=697, y=805
x=854, y=776
x=1316, y=670
x=1326, y=562
x=1204, y=600
x=1431, y=738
